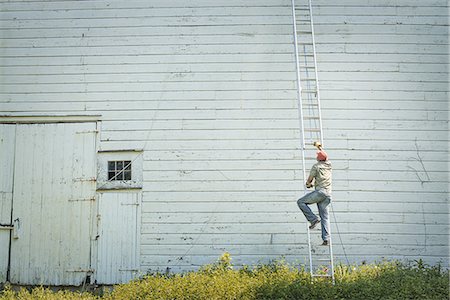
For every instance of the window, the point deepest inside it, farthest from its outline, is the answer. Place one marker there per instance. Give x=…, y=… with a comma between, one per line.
x=119, y=170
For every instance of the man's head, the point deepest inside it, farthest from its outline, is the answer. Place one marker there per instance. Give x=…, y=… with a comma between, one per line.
x=322, y=155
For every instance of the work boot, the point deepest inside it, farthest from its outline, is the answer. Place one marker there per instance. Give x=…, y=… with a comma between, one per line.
x=314, y=223
x=325, y=243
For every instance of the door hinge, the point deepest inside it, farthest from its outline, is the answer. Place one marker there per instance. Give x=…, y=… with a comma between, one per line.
x=81, y=271
x=82, y=199
x=6, y=226
x=87, y=131
x=84, y=179
x=132, y=204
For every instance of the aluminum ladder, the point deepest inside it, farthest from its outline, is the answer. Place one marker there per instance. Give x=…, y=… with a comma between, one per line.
x=310, y=117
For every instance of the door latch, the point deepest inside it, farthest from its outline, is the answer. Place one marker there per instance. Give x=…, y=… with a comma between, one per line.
x=16, y=228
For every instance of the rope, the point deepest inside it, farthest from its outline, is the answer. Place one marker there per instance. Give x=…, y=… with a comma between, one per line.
x=339, y=234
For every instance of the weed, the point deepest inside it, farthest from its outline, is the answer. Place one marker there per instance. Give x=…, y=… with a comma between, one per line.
x=277, y=280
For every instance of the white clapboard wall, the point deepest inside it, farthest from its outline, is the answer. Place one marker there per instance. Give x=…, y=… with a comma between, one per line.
x=208, y=89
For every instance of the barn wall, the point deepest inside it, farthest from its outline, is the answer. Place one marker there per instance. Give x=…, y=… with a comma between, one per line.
x=207, y=89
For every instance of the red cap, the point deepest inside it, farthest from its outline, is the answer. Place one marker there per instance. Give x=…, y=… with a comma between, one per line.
x=322, y=155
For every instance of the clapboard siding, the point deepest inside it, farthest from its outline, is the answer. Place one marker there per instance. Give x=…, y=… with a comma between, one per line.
x=208, y=90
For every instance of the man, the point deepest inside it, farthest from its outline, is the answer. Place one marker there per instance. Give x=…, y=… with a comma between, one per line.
x=321, y=176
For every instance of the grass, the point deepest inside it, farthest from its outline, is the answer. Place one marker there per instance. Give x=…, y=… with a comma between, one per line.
x=384, y=280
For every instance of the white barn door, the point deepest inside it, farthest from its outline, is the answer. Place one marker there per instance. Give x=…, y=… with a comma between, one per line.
x=53, y=202
x=7, y=143
x=118, y=237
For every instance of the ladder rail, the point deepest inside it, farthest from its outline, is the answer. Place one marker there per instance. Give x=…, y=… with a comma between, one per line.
x=311, y=271
x=299, y=97
x=311, y=21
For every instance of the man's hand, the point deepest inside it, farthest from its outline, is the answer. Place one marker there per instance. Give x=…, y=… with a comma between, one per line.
x=309, y=182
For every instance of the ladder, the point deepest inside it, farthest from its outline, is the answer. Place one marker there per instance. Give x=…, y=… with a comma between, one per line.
x=308, y=97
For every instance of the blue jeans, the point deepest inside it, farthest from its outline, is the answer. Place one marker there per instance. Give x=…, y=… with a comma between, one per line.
x=322, y=201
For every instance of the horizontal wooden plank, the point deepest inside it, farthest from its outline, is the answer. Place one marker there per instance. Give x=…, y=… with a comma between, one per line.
x=321, y=28
x=407, y=164
x=87, y=40
x=145, y=40
x=135, y=86
x=31, y=12
x=242, y=114
x=387, y=104
x=324, y=27
x=377, y=85
x=141, y=60
x=339, y=207
x=290, y=249
x=229, y=95
x=292, y=154
x=343, y=239
x=132, y=31
x=362, y=218
x=421, y=185
x=384, y=95
x=149, y=12
x=378, y=108
x=376, y=57
x=381, y=19
x=288, y=228
x=148, y=50
x=339, y=195
x=152, y=77
x=269, y=123
x=285, y=238
x=56, y=5
x=354, y=175
x=193, y=20
x=381, y=3
x=379, y=9
x=155, y=68
x=208, y=67
x=374, y=76
x=205, y=77
x=202, y=20
x=155, y=60
x=386, y=39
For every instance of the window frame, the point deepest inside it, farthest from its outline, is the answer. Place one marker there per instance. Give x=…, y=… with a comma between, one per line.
x=104, y=181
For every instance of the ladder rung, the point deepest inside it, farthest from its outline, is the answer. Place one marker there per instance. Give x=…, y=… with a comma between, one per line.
x=308, y=79
x=320, y=275
x=309, y=91
x=324, y=259
x=310, y=104
x=311, y=118
x=311, y=129
x=304, y=31
x=302, y=8
x=302, y=43
x=307, y=67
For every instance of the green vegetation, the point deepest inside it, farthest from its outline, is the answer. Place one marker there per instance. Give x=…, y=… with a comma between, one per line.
x=385, y=280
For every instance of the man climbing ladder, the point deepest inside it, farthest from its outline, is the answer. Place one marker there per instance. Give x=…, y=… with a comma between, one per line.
x=320, y=177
